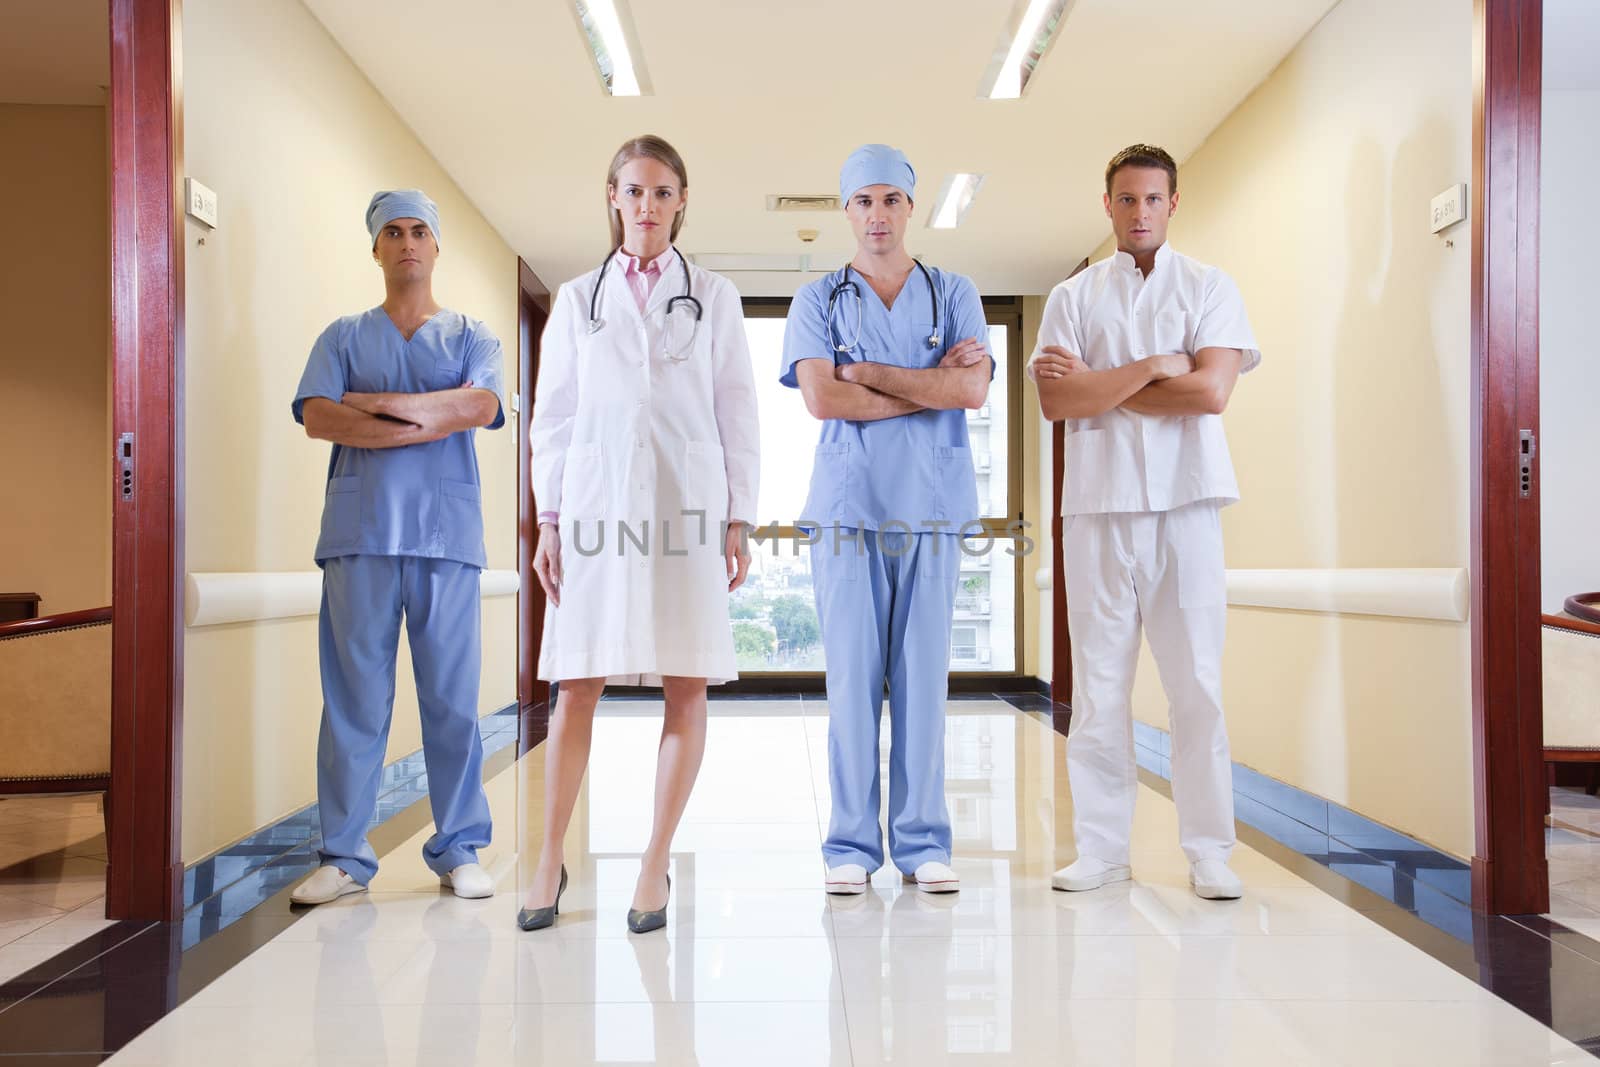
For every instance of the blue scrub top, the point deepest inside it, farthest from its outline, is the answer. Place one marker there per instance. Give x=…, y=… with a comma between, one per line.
x=914, y=469
x=415, y=500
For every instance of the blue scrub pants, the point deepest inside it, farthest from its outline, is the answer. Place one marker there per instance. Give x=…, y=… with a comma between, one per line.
x=363, y=598
x=885, y=612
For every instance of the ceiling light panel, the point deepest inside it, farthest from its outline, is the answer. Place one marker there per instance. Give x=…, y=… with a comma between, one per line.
x=955, y=198
x=1032, y=28
x=613, y=43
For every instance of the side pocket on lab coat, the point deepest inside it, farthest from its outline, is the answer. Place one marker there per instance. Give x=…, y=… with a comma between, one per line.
x=341, y=512
x=583, y=482
x=705, y=481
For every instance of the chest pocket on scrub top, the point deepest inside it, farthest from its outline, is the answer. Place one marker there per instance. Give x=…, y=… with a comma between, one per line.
x=445, y=373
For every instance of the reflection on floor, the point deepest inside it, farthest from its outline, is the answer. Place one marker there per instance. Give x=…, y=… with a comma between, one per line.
x=1572, y=844
x=757, y=966
x=52, y=877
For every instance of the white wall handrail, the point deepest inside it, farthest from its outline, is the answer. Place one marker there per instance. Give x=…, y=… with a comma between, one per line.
x=215, y=598
x=1402, y=592
x=1399, y=592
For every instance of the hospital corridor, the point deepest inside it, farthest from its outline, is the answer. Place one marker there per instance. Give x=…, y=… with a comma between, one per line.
x=1027, y=532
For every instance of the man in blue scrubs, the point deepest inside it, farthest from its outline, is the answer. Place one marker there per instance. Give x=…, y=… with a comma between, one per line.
x=889, y=355
x=399, y=390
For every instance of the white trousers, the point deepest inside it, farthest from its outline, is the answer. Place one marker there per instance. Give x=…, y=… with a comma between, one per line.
x=1165, y=569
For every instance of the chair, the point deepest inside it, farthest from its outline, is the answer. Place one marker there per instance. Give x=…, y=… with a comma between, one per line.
x=55, y=705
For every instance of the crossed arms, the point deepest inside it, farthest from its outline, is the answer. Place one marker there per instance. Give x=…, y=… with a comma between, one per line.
x=391, y=420
x=1156, y=385
x=867, y=391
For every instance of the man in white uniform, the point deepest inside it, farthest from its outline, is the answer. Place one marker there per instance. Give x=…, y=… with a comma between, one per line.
x=1139, y=354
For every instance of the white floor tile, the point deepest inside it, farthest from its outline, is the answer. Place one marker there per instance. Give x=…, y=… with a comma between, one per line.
x=1091, y=1033
x=84, y=921
x=16, y=958
x=1490, y=1034
x=758, y=966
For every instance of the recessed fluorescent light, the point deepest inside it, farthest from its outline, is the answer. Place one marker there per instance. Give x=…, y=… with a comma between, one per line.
x=614, y=46
x=802, y=202
x=955, y=197
x=1017, y=57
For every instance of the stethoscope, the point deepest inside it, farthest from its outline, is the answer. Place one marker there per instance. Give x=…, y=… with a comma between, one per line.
x=844, y=284
x=685, y=300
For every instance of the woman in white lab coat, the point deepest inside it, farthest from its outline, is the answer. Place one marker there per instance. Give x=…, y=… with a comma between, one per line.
x=645, y=463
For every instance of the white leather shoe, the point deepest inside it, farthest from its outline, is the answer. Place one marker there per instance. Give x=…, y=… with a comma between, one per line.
x=1086, y=873
x=934, y=877
x=847, y=879
x=469, y=881
x=1213, y=880
x=326, y=883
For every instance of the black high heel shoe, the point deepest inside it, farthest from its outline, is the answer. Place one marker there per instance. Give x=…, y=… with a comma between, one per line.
x=642, y=922
x=539, y=918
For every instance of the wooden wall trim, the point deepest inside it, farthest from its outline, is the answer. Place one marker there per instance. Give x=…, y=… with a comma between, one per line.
x=533, y=695
x=1060, y=669
x=45, y=624
x=1556, y=622
x=1572, y=755
x=1060, y=635
x=145, y=877
x=1509, y=872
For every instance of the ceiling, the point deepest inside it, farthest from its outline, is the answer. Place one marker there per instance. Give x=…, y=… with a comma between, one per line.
x=55, y=52
x=764, y=97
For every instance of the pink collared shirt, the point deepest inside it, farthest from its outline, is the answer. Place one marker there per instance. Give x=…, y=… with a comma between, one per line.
x=641, y=279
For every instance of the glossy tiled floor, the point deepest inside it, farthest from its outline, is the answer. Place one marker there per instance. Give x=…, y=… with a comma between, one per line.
x=1572, y=843
x=52, y=877
x=759, y=967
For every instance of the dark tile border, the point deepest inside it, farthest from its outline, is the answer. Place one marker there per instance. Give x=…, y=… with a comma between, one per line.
x=259, y=865
x=1540, y=967
x=107, y=989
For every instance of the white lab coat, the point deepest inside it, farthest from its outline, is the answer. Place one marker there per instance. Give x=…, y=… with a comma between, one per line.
x=625, y=441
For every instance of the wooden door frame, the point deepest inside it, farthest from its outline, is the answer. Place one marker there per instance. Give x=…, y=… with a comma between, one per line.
x=144, y=879
x=1509, y=871
x=533, y=695
x=1060, y=635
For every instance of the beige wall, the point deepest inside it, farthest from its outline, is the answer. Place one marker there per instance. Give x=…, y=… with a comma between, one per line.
x=55, y=523
x=1351, y=439
x=294, y=140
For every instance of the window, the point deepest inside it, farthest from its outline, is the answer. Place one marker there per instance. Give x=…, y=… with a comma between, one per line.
x=775, y=626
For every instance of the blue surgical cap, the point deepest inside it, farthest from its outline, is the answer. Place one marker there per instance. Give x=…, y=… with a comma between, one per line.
x=390, y=204
x=876, y=164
